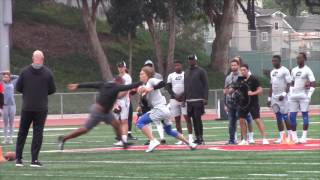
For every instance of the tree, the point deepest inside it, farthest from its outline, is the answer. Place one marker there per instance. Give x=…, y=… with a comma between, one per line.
x=124, y=16
x=289, y=7
x=89, y=19
x=251, y=16
x=159, y=14
x=221, y=15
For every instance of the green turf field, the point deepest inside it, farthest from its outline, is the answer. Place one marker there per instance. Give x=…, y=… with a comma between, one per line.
x=174, y=164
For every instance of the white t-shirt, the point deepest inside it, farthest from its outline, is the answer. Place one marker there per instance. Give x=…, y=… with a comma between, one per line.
x=177, y=81
x=155, y=98
x=300, y=76
x=127, y=80
x=279, y=80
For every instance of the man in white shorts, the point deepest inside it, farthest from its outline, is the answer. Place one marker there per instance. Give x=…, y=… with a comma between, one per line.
x=301, y=90
x=121, y=108
x=175, y=87
x=277, y=100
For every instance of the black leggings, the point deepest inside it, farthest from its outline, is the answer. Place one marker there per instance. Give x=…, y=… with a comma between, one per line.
x=38, y=119
x=195, y=111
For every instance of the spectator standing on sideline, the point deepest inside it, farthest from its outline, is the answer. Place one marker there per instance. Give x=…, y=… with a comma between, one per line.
x=9, y=107
x=196, y=94
x=35, y=83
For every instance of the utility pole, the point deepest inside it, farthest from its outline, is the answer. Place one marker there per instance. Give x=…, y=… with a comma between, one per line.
x=5, y=22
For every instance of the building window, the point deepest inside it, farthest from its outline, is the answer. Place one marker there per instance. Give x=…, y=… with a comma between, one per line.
x=276, y=26
x=264, y=36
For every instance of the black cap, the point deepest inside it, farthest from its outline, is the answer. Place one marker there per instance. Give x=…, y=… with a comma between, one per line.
x=192, y=57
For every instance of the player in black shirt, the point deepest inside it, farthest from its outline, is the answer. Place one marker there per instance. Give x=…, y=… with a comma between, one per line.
x=101, y=110
x=250, y=104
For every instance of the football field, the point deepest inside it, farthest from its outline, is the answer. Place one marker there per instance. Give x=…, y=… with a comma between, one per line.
x=91, y=156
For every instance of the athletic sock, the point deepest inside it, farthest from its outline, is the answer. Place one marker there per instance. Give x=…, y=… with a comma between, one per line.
x=250, y=134
x=304, y=134
x=281, y=133
x=124, y=138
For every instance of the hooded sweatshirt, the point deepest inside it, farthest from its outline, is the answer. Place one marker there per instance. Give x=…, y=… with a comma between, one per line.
x=35, y=84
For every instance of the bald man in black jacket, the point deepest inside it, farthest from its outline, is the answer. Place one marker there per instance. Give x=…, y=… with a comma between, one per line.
x=35, y=83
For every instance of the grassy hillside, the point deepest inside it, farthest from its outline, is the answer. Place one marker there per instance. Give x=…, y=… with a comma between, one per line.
x=59, y=31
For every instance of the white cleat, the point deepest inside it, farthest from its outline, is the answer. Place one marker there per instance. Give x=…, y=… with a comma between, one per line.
x=119, y=143
x=278, y=141
x=153, y=144
x=243, y=143
x=265, y=142
x=302, y=140
x=178, y=143
x=193, y=146
x=251, y=141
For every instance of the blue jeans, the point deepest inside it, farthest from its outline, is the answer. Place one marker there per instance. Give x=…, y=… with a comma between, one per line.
x=233, y=117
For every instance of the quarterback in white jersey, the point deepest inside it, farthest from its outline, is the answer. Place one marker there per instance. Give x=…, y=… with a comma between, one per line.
x=175, y=87
x=159, y=111
x=303, y=83
x=277, y=100
x=122, y=104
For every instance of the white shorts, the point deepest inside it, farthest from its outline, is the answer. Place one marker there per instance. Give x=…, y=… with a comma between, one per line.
x=299, y=103
x=283, y=105
x=160, y=114
x=124, y=114
x=177, y=108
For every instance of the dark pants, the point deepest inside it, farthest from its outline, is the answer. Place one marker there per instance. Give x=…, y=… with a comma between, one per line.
x=233, y=117
x=195, y=111
x=130, y=117
x=38, y=119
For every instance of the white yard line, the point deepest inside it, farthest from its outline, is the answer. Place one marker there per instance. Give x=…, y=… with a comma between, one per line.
x=272, y=175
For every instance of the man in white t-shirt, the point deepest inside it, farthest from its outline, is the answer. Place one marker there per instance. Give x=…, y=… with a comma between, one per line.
x=122, y=104
x=175, y=87
x=301, y=90
x=277, y=100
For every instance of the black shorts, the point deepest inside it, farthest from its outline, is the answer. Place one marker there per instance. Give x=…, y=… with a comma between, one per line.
x=195, y=108
x=253, y=109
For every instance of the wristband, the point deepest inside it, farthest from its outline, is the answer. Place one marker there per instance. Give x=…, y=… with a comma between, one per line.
x=311, y=90
x=284, y=94
x=269, y=98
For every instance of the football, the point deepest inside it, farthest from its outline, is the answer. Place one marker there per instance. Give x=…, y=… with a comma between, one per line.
x=10, y=156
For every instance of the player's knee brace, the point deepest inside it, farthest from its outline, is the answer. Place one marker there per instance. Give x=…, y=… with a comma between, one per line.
x=169, y=131
x=143, y=120
x=293, y=118
x=305, y=116
x=285, y=117
x=279, y=117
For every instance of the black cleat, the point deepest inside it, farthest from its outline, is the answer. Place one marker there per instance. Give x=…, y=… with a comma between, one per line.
x=19, y=163
x=130, y=137
x=163, y=141
x=36, y=163
x=61, y=142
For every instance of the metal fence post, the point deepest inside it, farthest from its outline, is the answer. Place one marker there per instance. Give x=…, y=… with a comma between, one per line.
x=61, y=105
x=215, y=98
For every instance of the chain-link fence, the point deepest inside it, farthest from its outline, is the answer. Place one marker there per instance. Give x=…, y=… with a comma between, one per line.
x=78, y=103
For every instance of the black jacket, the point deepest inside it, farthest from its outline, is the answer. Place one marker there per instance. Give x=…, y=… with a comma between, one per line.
x=35, y=86
x=108, y=92
x=196, y=83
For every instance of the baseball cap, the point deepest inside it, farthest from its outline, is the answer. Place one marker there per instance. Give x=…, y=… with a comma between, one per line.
x=122, y=64
x=148, y=62
x=192, y=57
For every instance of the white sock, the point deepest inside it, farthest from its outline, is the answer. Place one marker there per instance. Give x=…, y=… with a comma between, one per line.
x=281, y=133
x=190, y=137
x=160, y=130
x=124, y=138
x=250, y=134
x=304, y=134
x=294, y=135
x=235, y=136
